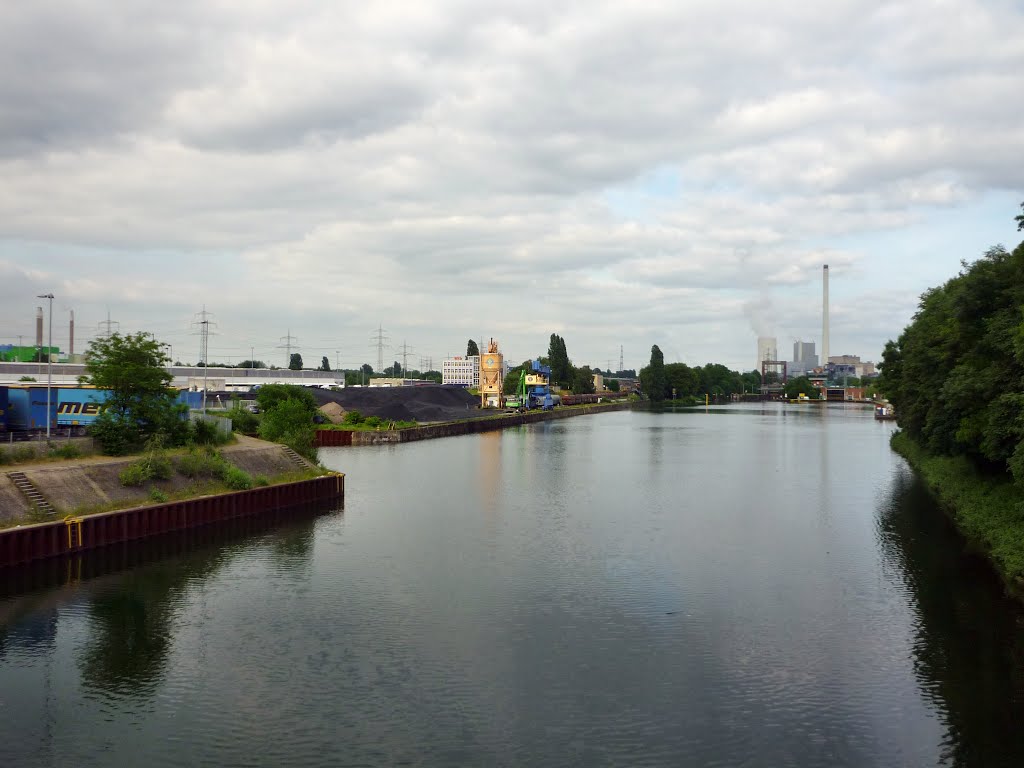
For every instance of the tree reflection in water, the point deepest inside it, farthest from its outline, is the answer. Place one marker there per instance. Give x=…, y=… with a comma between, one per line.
x=969, y=644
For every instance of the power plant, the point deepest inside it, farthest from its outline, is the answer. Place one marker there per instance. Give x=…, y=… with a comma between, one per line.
x=824, y=315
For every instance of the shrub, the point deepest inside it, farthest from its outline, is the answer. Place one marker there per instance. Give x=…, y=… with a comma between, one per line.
x=154, y=465
x=155, y=494
x=374, y=422
x=260, y=481
x=115, y=435
x=65, y=451
x=353, y=418
x=243, y=421
x=235, y=478
x=201, y=463
x=206, y=433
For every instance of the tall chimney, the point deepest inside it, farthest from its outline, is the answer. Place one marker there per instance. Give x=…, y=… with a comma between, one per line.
x=824, y=317
x=71, y=335
x=39, y=327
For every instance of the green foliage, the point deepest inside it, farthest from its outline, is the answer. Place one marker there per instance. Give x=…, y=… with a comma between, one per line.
x=652, y=378
x=612, y=385
x=64, y=451
x=260, y=481
x=201, y=463
x=269, y=396
x=206, y=433
x=373, y=422
x=140, y=403
x=988, y=511
x=956, y=373
x=17, y=455
x=583, y=381
x=236, y=479
x=295, y=362
x=243, y=420
x=290, y=421
x=353, y=417
x=558, y=359
x=325, y=364
x=472, y=348
x=251, y=364
x=155, y=494
x=153, y=465
x=800, y=385
x=27, y=378
x=1020, y=219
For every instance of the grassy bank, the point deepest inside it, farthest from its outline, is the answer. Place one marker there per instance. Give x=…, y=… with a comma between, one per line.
x=988, y=510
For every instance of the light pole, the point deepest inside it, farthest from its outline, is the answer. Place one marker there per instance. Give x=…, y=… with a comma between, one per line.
x=49, y=361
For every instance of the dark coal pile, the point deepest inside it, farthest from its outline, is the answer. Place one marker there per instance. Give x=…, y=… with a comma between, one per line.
x=422, y=404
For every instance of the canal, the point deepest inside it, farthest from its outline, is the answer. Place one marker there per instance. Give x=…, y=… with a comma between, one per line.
x=748, y=585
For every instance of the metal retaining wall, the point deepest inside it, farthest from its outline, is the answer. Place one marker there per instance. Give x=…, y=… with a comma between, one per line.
x=71, y=535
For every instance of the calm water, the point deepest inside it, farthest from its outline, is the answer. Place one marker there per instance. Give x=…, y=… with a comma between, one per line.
x=742, y=586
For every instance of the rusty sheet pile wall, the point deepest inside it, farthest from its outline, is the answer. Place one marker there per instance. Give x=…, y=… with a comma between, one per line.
x=75, y=534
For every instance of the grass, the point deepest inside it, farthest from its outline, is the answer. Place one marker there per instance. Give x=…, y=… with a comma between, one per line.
x=158, y=496
x=988, y=510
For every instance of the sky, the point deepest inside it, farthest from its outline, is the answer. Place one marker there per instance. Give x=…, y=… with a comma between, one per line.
x=623, y=174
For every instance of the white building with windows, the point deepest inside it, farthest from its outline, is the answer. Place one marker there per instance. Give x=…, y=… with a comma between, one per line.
x=464, y=371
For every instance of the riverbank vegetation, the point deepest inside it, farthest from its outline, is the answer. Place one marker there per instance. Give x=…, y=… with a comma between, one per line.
x=287, y=416
x=956, y=378
x=662, y=381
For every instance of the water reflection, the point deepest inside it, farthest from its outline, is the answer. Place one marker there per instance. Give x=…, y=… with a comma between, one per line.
x=969, y=638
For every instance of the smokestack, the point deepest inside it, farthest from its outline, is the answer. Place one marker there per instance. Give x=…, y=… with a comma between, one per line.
x=39, y=327
x=71, y=335
x=824, y=316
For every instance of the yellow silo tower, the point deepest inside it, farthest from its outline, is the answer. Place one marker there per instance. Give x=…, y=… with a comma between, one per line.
x=491, y=379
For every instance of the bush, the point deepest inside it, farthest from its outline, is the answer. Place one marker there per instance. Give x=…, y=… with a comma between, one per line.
x=201, y=463
x=155, y=494
x=236, y=479
x=260, y=481
x=271, y=396
x=243, y=421
x=206, y=433
x=374, y=421
x=353, y=418
x=65, y=451
x=154, y=465
x=292, y=424
x=114, y=435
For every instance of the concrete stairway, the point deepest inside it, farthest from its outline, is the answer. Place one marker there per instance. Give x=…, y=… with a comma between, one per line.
x=31, y=493
x=303, y=463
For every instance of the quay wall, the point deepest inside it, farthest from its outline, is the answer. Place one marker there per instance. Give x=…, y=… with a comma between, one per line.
x=77, y=534
x=332, y=438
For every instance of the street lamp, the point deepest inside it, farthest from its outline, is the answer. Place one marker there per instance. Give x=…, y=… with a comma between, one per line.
x=49, y=361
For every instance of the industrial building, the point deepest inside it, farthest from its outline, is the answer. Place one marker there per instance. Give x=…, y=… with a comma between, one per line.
x=461, y=371
x=805, y=359
x=767, y=349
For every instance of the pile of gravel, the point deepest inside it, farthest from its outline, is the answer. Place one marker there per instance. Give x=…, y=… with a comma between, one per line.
x=423, y=404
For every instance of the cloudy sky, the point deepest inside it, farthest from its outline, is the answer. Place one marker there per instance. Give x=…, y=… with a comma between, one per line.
x=621, y=173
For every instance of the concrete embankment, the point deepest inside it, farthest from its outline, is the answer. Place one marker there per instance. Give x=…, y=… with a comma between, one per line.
x=988, y=511
x=329, y=438
x=77, y=485
x=73, y=535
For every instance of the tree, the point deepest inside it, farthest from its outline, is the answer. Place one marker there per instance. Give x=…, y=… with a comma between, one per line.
x=295, y=362
x=325, y=364
x=248, y=364
x=27, y=378
x=612, y=385
x=269, y=396
x=583, y=381
x=472, y=349
x=139, y=400
x=558, y=359
x=655, y=382
x=801, y=385
x=1020, y=220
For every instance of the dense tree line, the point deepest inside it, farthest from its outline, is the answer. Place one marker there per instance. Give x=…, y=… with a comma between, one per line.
x=659, y=379
x=956, y=373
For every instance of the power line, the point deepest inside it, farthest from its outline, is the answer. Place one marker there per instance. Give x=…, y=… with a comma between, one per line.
x=287, y=346
x=106, y=327
x=406, y=349
x=380, y=339
x=203, y=325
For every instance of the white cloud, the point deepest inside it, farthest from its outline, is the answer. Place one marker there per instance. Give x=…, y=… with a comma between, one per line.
x=615, y=172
